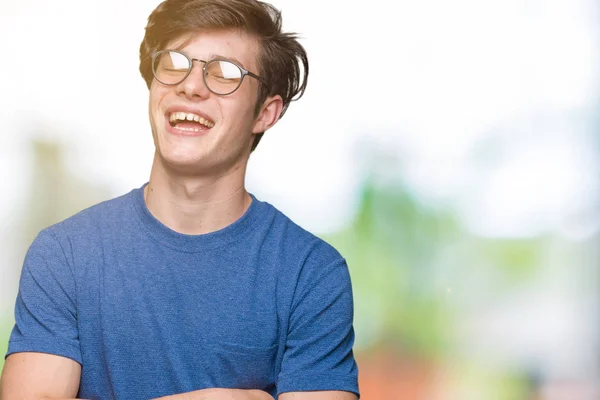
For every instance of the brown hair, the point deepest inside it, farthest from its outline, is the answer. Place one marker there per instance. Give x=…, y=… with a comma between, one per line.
x=282, y=59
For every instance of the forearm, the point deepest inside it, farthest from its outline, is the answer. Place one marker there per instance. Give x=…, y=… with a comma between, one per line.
x=221, y=394
x=54, y=398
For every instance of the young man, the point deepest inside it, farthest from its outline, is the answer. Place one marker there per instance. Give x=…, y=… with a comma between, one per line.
x=190, y=287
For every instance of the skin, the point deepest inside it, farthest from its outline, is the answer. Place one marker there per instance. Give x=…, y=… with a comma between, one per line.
x=196, y=186
x=39, y=376
x=197, y=183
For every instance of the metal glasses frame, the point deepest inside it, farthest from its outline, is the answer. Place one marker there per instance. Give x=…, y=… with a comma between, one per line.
x=243, y=71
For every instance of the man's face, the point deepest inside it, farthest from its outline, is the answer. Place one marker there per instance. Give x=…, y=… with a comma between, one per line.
x=223, y=142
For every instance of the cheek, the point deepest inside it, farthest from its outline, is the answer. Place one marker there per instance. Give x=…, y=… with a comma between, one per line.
x=157, y=92
x=153, y=100
x=242, y=110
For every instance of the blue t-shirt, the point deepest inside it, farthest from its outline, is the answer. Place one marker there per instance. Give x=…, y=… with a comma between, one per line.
x=148, y=312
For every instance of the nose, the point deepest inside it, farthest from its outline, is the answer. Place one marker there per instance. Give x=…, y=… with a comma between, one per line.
x=193, y=86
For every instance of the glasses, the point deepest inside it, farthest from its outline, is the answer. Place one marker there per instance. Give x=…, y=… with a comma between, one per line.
x=221, y=76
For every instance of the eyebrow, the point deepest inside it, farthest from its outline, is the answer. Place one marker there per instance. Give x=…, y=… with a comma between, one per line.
x=214, y=55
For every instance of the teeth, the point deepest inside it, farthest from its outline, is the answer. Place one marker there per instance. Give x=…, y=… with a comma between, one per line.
x=182, y=116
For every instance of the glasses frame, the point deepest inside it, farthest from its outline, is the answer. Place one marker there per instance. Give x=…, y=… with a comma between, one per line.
x=191, y=60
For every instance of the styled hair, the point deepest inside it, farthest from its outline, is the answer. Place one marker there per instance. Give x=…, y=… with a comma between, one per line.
x=282, y=61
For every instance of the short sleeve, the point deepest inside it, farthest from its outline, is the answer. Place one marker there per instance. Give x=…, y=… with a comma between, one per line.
x=318, y=353
x=45, y=309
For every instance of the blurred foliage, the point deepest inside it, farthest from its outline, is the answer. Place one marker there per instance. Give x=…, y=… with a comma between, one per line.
x=477, y=381
x=56, y=193
x=5, y=330
x=417, y=273
x=392, y=251
x=518, y=259
x=406, y=258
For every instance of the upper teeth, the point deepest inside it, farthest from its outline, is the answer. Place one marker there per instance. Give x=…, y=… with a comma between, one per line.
x=181, y=116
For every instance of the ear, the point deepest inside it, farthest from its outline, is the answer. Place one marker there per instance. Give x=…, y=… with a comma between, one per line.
x=268, y=114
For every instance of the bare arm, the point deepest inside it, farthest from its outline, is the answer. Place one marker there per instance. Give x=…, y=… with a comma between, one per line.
x=39, y=376
x=324, y=395
x=237, y=394
x=221, y=394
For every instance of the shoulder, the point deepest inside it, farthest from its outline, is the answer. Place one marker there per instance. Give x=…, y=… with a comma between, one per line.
x=296, y=241
x=109, y=212
x=86, y=226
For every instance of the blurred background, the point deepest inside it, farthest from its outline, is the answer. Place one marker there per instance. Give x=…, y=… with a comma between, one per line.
x=449, y=150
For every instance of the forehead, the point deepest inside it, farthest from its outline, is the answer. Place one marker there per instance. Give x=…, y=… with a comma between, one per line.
x=208, y=44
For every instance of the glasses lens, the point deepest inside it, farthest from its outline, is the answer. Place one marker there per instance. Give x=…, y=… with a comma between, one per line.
x=223, y=77
x=170, y=67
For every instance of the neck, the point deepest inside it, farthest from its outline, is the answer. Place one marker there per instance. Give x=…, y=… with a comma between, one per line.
x=195, y=205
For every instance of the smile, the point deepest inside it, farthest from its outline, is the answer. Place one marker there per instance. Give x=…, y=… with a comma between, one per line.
x=189, y=121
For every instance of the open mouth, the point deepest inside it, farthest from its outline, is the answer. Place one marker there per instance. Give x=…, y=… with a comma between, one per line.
x=189, y=121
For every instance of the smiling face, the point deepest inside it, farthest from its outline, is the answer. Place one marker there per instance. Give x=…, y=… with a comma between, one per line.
x=197, y=132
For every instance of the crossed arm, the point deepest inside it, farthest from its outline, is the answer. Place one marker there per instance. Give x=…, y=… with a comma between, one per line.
x=45, y=376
